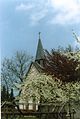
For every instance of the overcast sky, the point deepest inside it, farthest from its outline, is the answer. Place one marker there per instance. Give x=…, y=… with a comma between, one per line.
x=21, y=20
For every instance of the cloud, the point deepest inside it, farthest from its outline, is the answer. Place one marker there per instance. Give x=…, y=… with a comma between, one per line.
x=38, y=16
x=56, y=11
x=37, y=8
x=66, y=11
x=24, y=7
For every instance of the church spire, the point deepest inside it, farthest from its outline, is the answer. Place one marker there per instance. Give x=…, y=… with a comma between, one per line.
x=39, y=34
x=40, y=50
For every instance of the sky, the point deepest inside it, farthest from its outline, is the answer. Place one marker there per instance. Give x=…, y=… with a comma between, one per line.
x=21, y=20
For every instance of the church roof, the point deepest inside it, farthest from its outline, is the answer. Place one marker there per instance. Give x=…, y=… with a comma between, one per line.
x=37, y=66
x=40, y=55
x=40, y=51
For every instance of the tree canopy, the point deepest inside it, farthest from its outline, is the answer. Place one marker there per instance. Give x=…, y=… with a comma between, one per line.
x=14, y=69
x=64, y=66
x=40, y=87
x=60, y=80
x=44, y=88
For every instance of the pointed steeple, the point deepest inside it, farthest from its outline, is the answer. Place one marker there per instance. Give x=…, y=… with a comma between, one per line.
x=40, y=51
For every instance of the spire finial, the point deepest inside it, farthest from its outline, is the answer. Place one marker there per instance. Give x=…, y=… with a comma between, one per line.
x=39, y=34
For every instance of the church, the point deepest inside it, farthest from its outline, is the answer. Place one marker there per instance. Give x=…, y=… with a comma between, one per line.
x=39, y=61
x=35, y=68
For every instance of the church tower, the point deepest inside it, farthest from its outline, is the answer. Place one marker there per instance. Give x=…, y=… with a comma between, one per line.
x=40, y=55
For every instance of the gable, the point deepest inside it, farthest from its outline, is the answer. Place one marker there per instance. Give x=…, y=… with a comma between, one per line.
x=32, y=71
